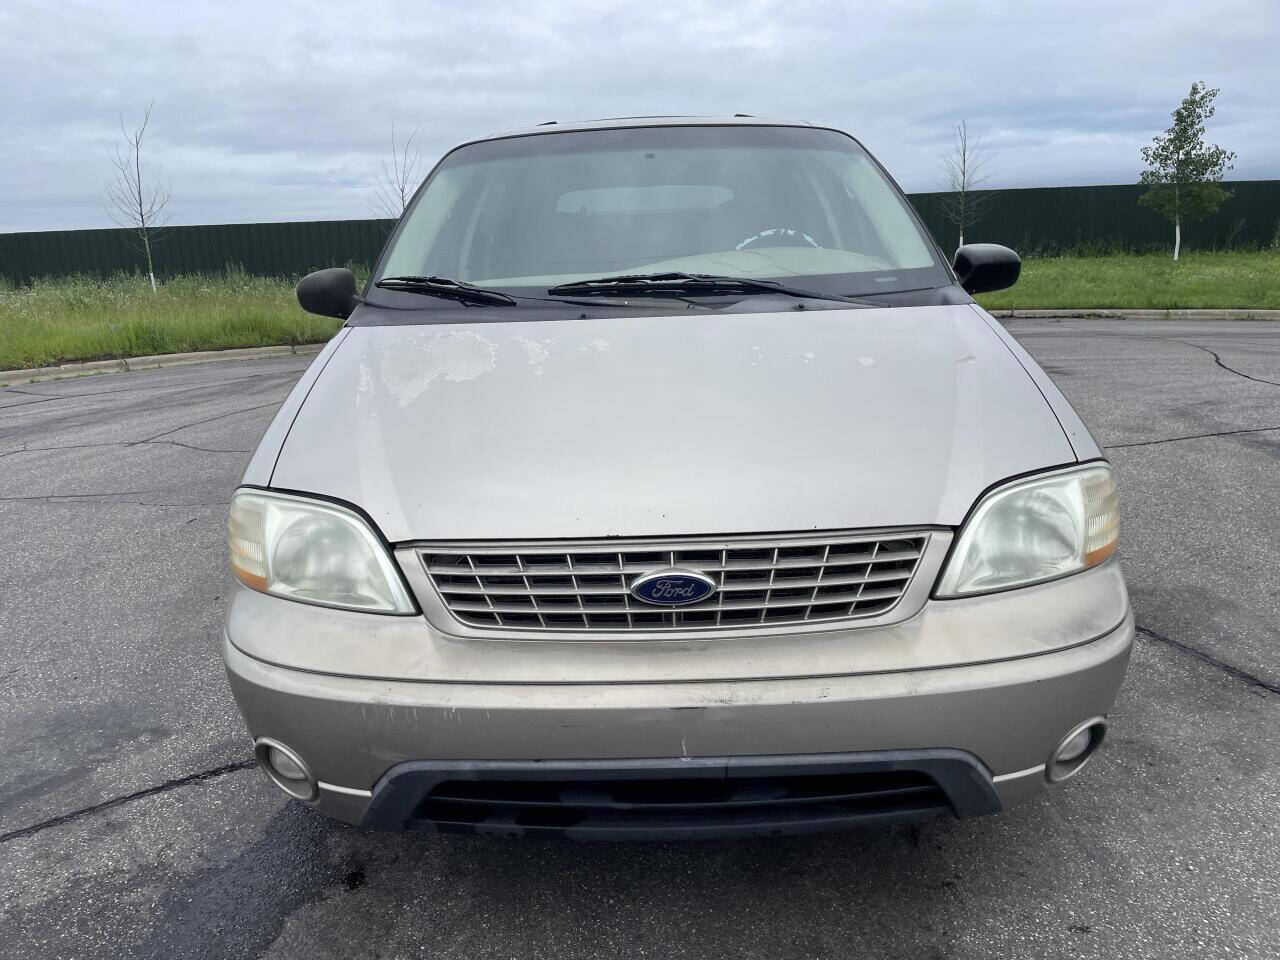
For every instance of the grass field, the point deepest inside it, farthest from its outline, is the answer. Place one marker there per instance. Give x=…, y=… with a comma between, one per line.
x=1245, y=280
x=56, y=321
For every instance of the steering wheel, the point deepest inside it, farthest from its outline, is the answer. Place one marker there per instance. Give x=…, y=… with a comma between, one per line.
x=781, y=237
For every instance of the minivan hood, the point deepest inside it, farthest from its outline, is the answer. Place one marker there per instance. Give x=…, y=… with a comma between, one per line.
x=678, y=424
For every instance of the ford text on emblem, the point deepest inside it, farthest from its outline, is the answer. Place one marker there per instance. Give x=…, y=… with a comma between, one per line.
x=673, y=588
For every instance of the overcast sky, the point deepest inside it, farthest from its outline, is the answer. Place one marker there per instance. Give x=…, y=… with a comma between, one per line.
x=282, y=111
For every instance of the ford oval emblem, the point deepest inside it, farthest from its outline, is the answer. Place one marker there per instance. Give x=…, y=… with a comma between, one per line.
x=673, y=588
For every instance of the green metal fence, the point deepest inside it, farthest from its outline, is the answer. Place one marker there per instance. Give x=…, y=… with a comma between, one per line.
x=1033, y=221
x=263, y=249
x=1042, y=220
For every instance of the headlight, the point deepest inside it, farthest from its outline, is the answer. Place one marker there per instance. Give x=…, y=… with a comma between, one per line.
x=1034, y=530
x=312, y=551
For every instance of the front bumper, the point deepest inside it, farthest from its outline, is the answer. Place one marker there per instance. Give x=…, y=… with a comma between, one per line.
x=358, y=734
x=685, y=798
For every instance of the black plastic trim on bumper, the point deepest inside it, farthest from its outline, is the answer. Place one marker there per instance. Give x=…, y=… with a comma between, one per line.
x=680, y=798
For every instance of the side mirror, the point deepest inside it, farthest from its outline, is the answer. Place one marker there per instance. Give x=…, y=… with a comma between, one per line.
x=982, y=267
x=330, y=293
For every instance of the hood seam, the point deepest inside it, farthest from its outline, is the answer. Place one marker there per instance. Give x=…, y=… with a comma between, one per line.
x=1017, y=359
x=275, y=463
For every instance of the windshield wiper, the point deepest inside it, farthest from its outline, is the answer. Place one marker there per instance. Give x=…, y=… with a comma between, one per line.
x=444, y=287
x=691, y=284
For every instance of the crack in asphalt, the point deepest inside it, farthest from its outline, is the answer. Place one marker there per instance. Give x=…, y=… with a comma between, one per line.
x=1242, y=675
x=86, y=496
x=196, y=423
x=1218, y=360
x=100, y=498
x=1186, y=343
x=28, y=393
x=64, y=446
x=120, y=443
x=29, y=403
x=1193, y=436
x=165, y=787
x=192, y=446
x=157, y=438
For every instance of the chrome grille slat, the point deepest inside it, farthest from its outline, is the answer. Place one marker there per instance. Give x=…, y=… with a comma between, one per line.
x=515, y=571
x=761, y=581
x=798, y=604
x=590, y=590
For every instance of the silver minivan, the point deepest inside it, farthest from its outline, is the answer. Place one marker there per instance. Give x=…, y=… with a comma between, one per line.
x=665, y=481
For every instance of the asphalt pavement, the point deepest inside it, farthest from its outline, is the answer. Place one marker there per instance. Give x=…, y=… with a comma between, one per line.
x=131, y=824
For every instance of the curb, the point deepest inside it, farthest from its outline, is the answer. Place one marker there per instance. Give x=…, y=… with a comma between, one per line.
x=66, y=371
x=1137, y=314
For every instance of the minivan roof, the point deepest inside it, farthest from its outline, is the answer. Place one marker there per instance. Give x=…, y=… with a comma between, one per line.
x=615, y=123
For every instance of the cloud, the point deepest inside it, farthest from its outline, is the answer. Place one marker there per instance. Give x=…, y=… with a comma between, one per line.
x=277, y=111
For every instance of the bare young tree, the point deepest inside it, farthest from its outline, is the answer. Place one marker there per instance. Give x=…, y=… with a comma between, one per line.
x=401, y=173
x=134, y=200
x=964, y=170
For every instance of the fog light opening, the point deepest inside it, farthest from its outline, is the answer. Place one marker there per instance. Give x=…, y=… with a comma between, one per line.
x=1075, y=750
x=286, y=766
x=287, y=770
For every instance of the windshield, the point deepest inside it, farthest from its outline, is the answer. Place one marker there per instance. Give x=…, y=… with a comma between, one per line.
x=762, y=202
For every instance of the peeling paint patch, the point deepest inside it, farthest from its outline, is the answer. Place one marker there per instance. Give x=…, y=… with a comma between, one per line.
x=410, y=365
x=536, y=349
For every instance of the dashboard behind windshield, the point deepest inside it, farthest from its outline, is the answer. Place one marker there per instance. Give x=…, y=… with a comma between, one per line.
x=781, y=203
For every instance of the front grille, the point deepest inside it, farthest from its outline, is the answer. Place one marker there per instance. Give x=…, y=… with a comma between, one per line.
x=586, y=586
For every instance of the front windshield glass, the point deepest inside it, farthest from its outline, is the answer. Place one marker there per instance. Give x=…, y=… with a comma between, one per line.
x=778, y=203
